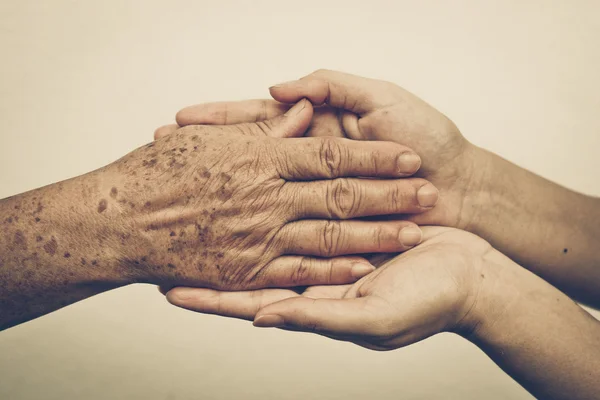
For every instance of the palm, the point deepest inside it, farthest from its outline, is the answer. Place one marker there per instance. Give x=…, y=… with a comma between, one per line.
x=412, y=296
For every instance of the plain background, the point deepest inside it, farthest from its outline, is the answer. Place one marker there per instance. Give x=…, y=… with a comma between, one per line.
x=84, y=82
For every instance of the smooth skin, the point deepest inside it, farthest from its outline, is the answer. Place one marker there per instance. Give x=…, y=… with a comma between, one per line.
x=234, y=207
x=454, y=282
x=544, y=227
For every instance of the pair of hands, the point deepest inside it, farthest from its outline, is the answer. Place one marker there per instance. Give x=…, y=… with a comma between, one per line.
x=429, y=289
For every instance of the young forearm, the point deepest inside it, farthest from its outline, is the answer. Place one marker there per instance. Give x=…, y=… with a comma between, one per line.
x=52, y=250
x=539, y=336
x=546, y=228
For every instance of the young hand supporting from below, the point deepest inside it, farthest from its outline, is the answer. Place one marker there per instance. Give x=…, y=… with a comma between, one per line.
x=234, y=207
x=455, y=282
x=479, y=191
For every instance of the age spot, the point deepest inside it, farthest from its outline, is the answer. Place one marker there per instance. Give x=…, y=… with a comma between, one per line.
x=51, y=246
x=67, y=254
x=113, y=192
x=102, y=205
x=20, y=240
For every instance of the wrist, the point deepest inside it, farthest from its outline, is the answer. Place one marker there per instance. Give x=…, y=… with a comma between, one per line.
x=496, y=295
x=474, y=186
x=67, y=231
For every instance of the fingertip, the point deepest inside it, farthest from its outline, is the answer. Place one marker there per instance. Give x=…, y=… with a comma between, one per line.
x=408, y=163
x=362, y=269
x=410, y=236
x=286, y=92
x=183, y=116
x=179, y=295
x=268, y=321
x=427, y=195
x=165, y=130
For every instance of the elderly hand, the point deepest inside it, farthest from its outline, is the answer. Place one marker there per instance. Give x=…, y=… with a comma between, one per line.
x=236, y=207
x=367, y=109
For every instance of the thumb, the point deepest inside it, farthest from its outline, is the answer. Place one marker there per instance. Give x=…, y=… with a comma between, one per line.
x=337, y=89
x=293, y=123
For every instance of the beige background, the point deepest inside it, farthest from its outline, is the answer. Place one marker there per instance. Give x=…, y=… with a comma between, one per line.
x=84, y=82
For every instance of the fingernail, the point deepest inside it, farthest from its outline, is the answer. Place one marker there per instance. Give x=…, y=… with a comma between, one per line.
x=410, y=236
x=296, y=109
x=282, y=84
x=359, y=270
x=427, y=195
x=269, y=321
x=409, y=163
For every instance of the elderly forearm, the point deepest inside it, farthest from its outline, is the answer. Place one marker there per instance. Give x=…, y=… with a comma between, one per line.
x=53, y=250
x=552, y=231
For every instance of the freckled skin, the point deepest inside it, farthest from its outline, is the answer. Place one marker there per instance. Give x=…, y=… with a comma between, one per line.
x=51, y=246
x=102, y=205
x=215, y=216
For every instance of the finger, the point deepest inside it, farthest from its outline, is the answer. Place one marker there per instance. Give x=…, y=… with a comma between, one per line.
x=293, y=123
x=349, y=92
x=324, y=238
x=242, y=305
x=330, y=157
x=347, y=198
x=326, y=292
x=165, y=130
x=290, y=271
x=229, y=113
x=326, y=316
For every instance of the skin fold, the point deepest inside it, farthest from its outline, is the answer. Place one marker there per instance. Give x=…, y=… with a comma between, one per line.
x=455, y=281
x=236, y=207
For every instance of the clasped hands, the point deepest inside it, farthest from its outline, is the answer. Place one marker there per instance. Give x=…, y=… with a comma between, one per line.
x=346, y=207
x=364, y=130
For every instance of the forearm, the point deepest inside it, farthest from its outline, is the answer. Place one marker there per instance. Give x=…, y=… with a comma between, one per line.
x=547, y=228
x=53, y=250
x=540, y=337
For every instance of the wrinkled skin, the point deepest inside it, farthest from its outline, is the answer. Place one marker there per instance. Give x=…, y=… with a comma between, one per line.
x=238, y=207
x=429, y=289
x=368, y=109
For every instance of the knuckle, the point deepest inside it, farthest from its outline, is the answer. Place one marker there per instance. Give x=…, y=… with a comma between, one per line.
x=303, y=272
x=331, y=238
x=379, y=235
x=343, y=199
x=398, y=197
x=330, y=155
